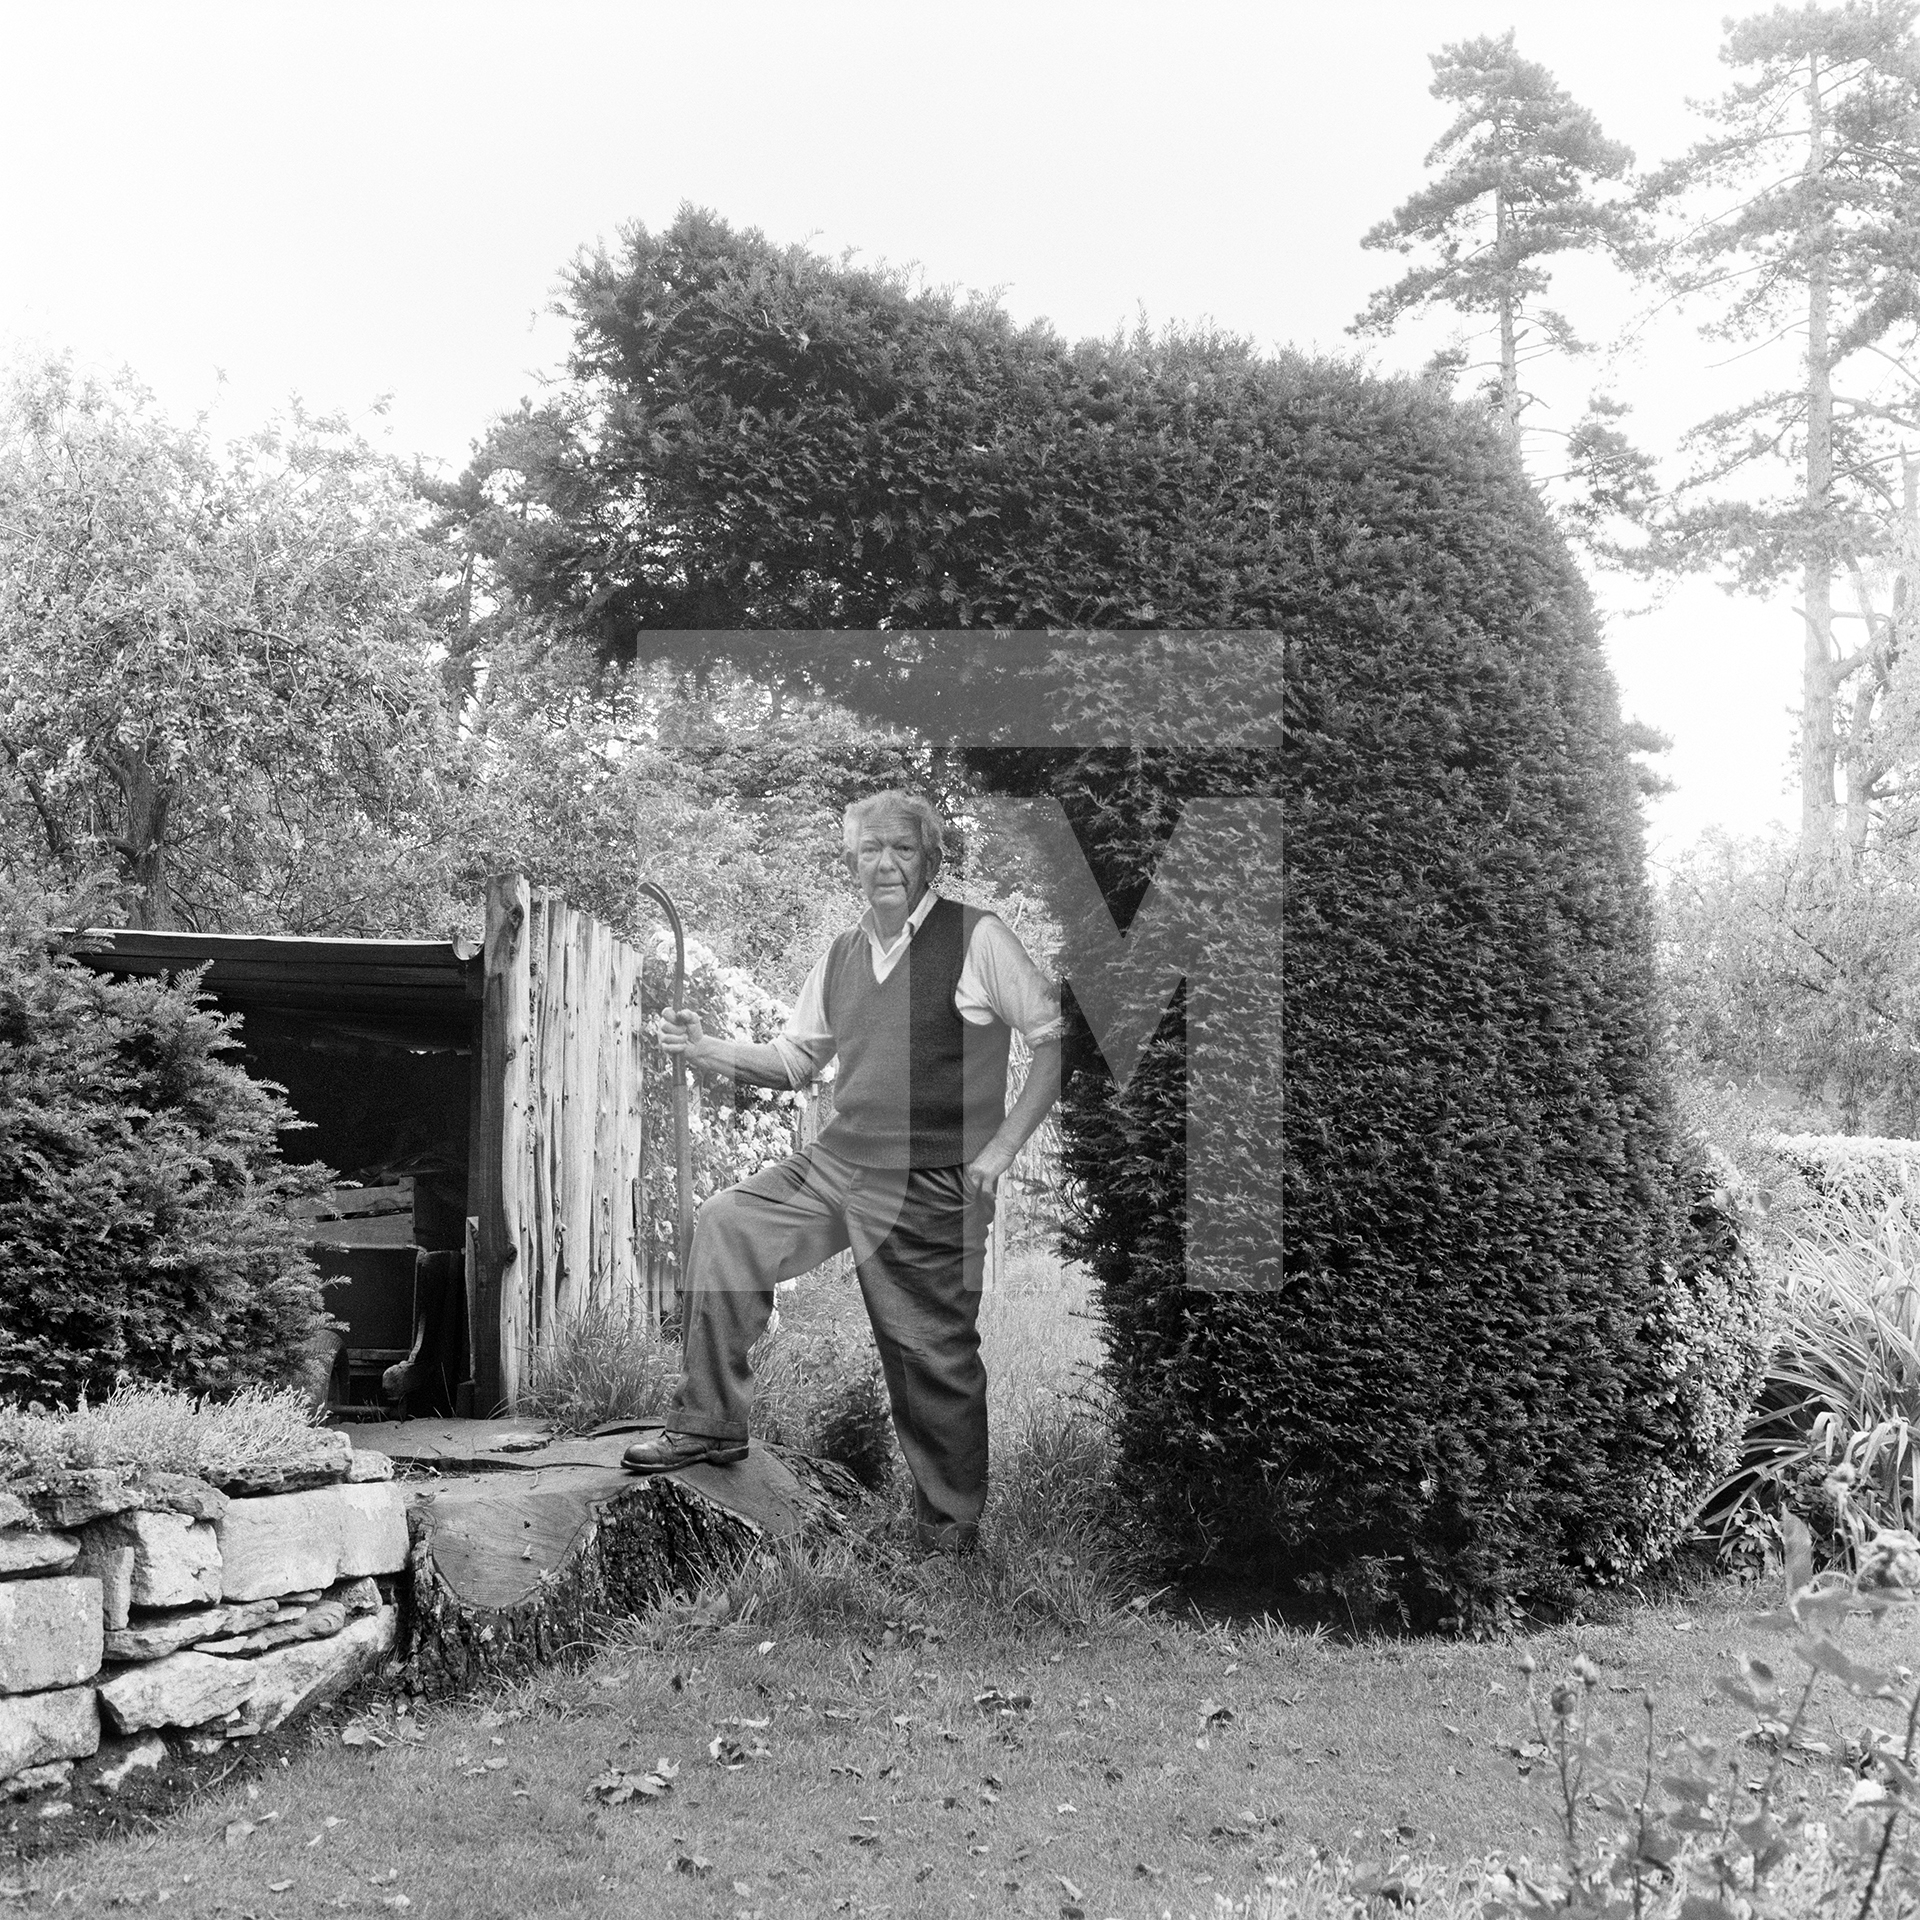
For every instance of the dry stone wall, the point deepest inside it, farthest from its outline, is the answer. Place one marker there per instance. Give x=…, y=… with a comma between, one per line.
x=137, y=1606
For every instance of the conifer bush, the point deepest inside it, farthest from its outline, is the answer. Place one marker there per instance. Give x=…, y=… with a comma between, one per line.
x=144, y=1236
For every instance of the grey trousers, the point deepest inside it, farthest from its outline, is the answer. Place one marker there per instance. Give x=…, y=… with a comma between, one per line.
x=919, y=1250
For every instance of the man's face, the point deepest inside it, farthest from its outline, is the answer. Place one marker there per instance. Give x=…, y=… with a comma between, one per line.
x=889, y=865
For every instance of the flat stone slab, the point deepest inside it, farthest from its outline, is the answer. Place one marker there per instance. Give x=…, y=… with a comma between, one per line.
x=469, y=1446
x=39, y=1729
x=284, y=1542
x=494, y=1536
x=25, y=1553
x=50, y=1634
x=154, y=1636
x=247, y=1696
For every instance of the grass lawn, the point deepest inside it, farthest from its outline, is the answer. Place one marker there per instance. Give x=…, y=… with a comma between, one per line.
x=967, y=1758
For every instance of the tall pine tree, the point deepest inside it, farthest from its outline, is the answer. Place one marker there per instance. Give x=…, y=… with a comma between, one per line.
x=1796, y=220
x=1521, y=160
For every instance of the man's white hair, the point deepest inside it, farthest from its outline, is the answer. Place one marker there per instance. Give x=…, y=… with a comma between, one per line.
x=894, y=804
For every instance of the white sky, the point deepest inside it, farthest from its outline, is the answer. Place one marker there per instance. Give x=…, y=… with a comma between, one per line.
x=346, y=201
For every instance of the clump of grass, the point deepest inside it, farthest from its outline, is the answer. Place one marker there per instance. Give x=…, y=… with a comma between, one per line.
x=820, y=1390
x=252, y=1429
x=1058, y=1544
x=601, y=1365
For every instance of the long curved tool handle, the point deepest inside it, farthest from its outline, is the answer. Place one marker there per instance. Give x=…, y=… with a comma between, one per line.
x=682, y=1138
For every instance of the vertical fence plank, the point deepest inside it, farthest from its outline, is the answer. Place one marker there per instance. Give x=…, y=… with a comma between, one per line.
x=572, y=1160
x=601, y=1028
x=499, y=1279
x=553, y=1071
x=628, y=1209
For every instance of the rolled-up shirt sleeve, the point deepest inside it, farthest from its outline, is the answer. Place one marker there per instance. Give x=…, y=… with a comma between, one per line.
x=806, y=1044
x=1001, y=981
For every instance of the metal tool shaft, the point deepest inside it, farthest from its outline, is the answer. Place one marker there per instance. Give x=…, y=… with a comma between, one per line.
x=682, y=1080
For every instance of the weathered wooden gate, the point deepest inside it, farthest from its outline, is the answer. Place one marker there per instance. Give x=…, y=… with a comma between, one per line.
x=559, y=1135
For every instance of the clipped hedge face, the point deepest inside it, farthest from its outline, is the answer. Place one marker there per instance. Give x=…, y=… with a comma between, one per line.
x=143, y=1227
x=1490, y=1368
x=1513, y=1342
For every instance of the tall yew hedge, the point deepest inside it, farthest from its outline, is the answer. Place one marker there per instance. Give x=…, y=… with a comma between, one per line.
x=1513, y=1336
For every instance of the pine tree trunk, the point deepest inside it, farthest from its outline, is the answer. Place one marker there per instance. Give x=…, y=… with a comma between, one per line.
x=1819, y=749
x=1509, y=351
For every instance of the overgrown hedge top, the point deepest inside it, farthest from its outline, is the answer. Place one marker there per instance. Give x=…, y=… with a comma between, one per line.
x=1510, y=1341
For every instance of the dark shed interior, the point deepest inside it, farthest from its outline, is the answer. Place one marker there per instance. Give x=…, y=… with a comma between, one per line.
x=377, y=1043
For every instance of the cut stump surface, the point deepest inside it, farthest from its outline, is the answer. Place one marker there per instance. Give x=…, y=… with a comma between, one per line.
x=524, y=1548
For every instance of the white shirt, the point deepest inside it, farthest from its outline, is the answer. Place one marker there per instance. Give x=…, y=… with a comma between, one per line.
x=998, y=981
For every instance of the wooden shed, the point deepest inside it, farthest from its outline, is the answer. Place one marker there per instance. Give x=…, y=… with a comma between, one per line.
x=483, y=1109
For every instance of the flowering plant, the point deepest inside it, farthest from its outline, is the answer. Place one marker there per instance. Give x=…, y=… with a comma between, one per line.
x=1704, y=1832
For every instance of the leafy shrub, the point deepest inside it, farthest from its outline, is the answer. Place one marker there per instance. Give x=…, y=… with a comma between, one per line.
x=143, y=1222
x=1851, y=1167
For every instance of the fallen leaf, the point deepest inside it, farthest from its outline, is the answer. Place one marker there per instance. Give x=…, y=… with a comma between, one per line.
x=494, y=1765
x=1068, y=1888
x=864, y=1839
x=360, y=1735
x=617, y=1786
x=237, y=1830
x=693, y=1864
x=278, y=1886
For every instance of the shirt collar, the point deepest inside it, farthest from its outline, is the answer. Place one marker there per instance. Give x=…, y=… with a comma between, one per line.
x=928, y=901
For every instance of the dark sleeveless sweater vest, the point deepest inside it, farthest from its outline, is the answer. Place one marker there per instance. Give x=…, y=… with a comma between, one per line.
x=917, y=1086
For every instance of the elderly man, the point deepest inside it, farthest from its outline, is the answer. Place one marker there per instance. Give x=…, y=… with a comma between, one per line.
x=919, y=1001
